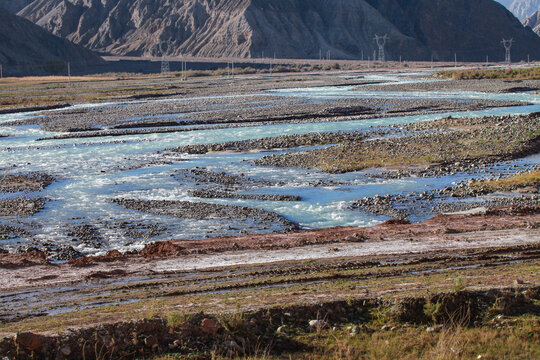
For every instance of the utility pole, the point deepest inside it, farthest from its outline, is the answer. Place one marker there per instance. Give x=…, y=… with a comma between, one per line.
x=165, y=66
x=528, y=59
x=487, y=60
x=455, y=60
x=507, y=46
x=272, y=61
x=362, y=55
x=381, y=41
x=184, y=70
x=69, y=72
x=1, y=72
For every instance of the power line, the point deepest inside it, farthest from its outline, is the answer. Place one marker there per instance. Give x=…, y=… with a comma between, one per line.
x=381, y=41
x=507, y=45
x=183, y=70
x=230, y=69
x=165, y=66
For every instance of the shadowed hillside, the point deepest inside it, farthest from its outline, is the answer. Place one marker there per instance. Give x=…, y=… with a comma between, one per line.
x=23, y=43
x=417, y=29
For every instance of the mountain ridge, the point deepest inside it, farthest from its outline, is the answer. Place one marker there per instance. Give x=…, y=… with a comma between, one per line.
x=417, y=29
x=533, y=22
x=521, y=8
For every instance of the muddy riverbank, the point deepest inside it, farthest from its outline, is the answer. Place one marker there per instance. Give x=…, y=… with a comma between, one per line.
x=439, y=230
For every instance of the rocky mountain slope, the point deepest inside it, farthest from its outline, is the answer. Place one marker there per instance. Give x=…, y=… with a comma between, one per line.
x=418, y=29
x=24, y=43
x=471, y=29
x=524, y=8
x=533, y=22
x=521, y=8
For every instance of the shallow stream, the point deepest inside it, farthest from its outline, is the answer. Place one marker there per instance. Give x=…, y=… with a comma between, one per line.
x=92, y=171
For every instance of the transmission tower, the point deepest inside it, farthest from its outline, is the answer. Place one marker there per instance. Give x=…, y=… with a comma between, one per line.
x=381, y=41
x=507, y=45
x=165, y=67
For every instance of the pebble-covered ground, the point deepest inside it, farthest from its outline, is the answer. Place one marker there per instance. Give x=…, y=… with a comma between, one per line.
x=192, y=166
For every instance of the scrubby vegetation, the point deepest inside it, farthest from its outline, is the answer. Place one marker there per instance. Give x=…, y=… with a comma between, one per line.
x=476, y=74
x=445, y=141
x=488, y=342
x=53, y=90
x=527, y=179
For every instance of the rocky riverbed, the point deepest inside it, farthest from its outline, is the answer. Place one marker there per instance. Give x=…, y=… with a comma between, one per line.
x=200, y=210
x=175, y=142
x=251, y=105
x=483, y=85
x=278, y=142
x=11, y=183
x=430, y=204
x=181, y=219
x=229, y=195
x=20, y=207
x=455, y=145
x=8, y=232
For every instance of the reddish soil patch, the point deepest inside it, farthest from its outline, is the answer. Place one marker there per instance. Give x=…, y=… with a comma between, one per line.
x=440, y=227
x=494, y=219
x=28, y=258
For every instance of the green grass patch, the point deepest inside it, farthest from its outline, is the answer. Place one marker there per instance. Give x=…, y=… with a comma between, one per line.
x=528, y=179
x=516, y=338
x=460, y=139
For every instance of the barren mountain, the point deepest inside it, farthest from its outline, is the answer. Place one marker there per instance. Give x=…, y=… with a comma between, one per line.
x=521, y=8
x=524, y=8
x=533, y=22
x=417, y=29
x=471, y=29
x=24, y=43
